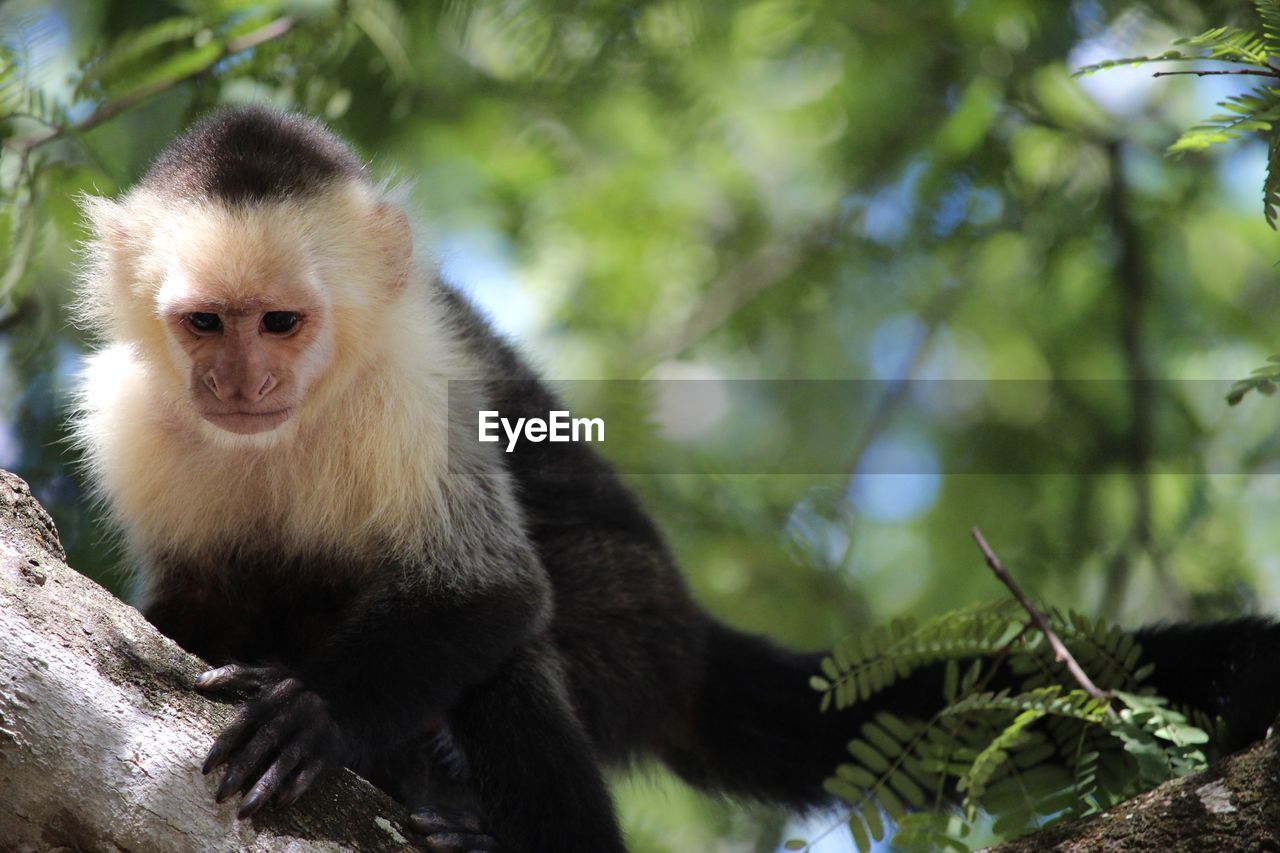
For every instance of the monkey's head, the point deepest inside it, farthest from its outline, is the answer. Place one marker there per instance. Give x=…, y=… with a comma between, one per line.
x=250, y=270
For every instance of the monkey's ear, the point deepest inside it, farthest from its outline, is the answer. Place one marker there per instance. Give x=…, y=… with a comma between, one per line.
x=396, y=236
x=106, y=219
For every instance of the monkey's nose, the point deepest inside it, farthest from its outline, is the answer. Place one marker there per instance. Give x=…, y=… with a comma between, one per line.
x=267, y=386
x=211, y=382
x=229, y=388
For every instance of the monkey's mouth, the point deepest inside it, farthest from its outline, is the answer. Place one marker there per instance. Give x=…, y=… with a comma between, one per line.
x=248, y=423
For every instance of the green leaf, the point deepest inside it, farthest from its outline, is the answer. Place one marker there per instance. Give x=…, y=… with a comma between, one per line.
x=967, y=126
x=859, y=833
x=842, y=789
x=875, y=825
x=127, y=62
x=1271, y=185
x=892, y=805
x=906, y=786
x=881, y=740
x=896, y=726
x=1230, y=44
x=856, y=775
x=1269, y=12
x=868, y=756
x=1167, y=56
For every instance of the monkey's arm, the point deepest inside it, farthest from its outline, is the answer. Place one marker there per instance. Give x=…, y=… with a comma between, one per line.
x=403, y=653
x=400, y=660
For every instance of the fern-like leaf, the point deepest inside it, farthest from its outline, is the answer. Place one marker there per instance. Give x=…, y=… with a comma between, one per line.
x=131, y=58
x=1230, y=44
x=1252, y=112
x=928, y=832
x=1271, y=185
x=974, y=783
x=1269, y=13
x=863, y=665
x=1264, y=380
x=1167, y=56
x=886, y=773
x=1146, y=722
x=1049, y=700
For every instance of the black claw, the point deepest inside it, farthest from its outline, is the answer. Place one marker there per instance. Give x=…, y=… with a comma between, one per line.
x=252, y=804
x=301, y=782
x=460, y=842
x=216, y=755
x=288, y=797
x=283, y=729
x=451, y=831
x=231, y=783
x=430, y=822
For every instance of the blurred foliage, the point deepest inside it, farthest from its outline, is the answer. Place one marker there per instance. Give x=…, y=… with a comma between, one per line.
x=1014, y=735
x=1247, y=52
x=768, y=190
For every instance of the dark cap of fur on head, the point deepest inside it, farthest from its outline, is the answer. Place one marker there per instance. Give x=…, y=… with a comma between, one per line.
x=253, y=154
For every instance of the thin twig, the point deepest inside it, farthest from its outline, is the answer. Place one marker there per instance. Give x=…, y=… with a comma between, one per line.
x=267, y=32
x=1059, y=649
x=1253, y=72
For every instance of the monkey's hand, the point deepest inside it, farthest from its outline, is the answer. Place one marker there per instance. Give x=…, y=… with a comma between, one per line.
x=281, y=740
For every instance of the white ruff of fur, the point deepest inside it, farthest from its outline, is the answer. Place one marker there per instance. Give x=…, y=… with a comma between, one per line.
x=360, y=470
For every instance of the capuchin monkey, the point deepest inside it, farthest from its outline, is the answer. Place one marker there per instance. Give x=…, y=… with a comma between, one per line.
x=282, y=423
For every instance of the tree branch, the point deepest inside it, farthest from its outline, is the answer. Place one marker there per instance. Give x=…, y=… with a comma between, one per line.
x=729, y=293
x=267, y=32
x=1060, y=651
x=1133, y=281
x=1233, y=805
x=101, y=732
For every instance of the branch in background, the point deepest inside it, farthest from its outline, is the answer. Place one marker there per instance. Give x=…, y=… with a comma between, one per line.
x=1133, y=281
x=1060, y=651
x=1249, y=71
x=941, y=307
x=267, y=32
x=740, y=285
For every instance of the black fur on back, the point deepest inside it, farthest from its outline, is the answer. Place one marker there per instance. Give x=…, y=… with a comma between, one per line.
x=253, y=154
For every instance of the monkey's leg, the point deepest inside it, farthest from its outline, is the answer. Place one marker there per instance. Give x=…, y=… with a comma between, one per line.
x=429, y=775
x=531, y=761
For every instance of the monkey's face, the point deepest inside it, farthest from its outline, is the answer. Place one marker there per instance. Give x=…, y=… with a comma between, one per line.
x=250, y=364
x=247, y=324
x=253, y=318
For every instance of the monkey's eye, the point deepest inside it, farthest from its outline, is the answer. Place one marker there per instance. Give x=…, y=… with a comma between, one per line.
x=203, y=322
x=279, y=322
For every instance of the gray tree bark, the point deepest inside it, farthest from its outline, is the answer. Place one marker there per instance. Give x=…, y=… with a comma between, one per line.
x=102, y=735
x=1233, y=805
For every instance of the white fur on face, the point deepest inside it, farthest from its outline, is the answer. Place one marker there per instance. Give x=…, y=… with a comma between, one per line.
x=361, y=466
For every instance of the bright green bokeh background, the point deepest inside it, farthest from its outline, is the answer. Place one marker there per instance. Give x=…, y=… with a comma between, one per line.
x=771, y=191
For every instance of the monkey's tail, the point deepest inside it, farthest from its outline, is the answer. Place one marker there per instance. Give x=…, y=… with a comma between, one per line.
x=755, y=728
